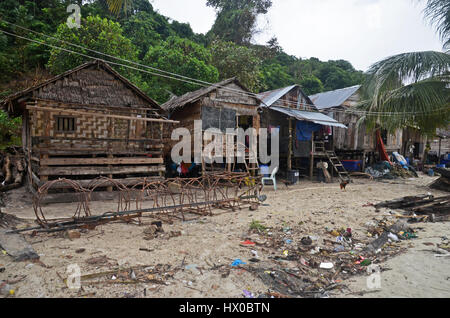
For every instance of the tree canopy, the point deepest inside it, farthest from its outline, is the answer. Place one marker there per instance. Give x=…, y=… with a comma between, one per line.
x=140, y=34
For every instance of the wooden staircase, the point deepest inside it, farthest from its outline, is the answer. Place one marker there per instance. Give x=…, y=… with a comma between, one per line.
x=338, y=166
x=319, y=148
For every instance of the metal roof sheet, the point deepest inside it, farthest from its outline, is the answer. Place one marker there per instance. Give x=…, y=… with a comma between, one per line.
x=317, y=118
x=333, y=98
x=271, y=97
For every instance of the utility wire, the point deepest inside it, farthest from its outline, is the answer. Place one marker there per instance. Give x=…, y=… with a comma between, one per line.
x=279, y=103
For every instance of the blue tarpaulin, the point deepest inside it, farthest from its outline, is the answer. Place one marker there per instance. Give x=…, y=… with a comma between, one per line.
x=304, y=130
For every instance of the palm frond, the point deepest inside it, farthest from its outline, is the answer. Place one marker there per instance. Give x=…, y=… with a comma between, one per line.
x=393, y=72
x=438, y=13
x=425, y=104
x=116, y=6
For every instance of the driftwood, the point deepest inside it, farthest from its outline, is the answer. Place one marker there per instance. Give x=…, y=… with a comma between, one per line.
x=13, y=171
x=422, y=205
x=443, y=183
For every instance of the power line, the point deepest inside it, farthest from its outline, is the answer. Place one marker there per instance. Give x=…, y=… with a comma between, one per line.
x=192, y=81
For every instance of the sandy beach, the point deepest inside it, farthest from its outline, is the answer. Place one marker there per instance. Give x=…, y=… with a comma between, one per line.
x=193, y=258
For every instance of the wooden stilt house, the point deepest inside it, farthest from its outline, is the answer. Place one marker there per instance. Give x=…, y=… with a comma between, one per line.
x=302, y=129
x=89, y=122
x=224, y=105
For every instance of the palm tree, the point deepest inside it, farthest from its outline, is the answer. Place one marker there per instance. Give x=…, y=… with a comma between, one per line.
x=115, y=6
x=412, y=87
x=437, y=12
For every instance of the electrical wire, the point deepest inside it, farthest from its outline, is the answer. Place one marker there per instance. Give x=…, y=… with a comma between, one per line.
x=174, y=76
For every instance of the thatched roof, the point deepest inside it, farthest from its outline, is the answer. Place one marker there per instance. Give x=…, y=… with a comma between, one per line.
x=191, y=97
x=76, y=91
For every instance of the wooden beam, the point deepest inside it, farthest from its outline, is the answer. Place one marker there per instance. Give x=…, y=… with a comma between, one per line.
x=90, y=151
x=289, y=159
x=77, y=171
x=98, y=161
x=311, y=164
x=75, y=112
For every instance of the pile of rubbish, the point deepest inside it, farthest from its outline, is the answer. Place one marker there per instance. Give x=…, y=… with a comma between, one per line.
x=295, y=265
x=385, y=170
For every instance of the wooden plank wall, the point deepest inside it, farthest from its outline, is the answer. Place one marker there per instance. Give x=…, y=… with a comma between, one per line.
x=99, y=146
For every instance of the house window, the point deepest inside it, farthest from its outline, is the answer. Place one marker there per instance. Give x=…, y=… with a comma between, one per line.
x=65, y=124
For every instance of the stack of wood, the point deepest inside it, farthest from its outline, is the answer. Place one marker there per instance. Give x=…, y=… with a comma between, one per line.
x=443, y=183
x=13, y=169
x=437, y=209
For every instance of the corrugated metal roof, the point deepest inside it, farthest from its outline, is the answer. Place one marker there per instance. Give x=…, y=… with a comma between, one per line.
x=317, y=118
x=270, y=97
x=333, y=98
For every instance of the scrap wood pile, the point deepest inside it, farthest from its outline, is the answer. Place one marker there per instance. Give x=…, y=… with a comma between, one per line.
x=424, y=207
x=312, y=266
x=443, y=183
x=13, y=169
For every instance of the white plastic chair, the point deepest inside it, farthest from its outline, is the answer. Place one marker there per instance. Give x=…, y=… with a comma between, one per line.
x=271, y=178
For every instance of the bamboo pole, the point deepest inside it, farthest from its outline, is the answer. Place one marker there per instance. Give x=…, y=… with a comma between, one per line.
x=75, y=112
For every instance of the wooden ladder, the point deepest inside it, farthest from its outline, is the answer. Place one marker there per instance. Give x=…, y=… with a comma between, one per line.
x=250, y=161
x=338, y=166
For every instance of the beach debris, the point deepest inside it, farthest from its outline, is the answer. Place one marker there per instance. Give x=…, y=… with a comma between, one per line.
x=73, y=234
x=306, y=241
x=393, y=237
x=435, y=209
x=247, y=243
x=6, y=289
x=97, y=260
x=248, y=294
x=326, y=265
x=237, y=262
x=15, y=246
x=80, y=250
x=443, y=183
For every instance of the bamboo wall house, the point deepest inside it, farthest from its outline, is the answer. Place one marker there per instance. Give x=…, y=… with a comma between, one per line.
x=354, y=142
x=224, y=105
x=303, y=130
x=89, y=122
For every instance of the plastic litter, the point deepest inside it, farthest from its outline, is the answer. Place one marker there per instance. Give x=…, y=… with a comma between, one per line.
x=393, y=237
x=237, y=262
x=248, y=294
x=6, y=289
x=326, y=265
x=339, y=248
x=248, y=243
x=306, y=241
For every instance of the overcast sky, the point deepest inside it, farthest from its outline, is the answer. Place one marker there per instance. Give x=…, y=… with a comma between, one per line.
x=360, y=31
